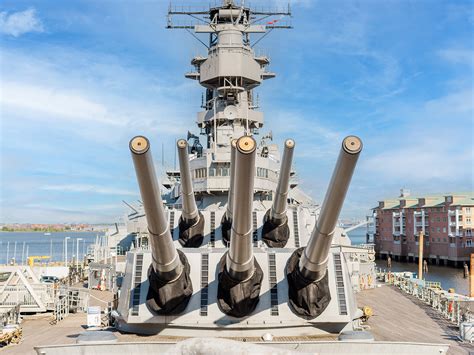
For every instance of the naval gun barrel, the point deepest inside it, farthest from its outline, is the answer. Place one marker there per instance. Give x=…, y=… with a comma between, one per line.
x=191, y=223
x=240, y=263
x=226, y=223
x=313, y=261
x=240, y=276
x=280, y=202
x=190, y=211
x=275, y=230
x=230, y=200
x=166, y=262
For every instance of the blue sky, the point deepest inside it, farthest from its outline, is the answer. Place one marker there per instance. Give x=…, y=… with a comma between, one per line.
x=80, y=78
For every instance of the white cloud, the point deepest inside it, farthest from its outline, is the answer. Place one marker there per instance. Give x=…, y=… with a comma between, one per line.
x=458, y=56
x=18, y=23
x=99, y=102
x=89, y=188
x=51, y=101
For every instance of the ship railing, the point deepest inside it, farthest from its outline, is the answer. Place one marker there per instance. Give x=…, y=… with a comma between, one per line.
x=10, y=316
x=452, y=306
x=369, y=246
x=74, y=299
x=20, y=294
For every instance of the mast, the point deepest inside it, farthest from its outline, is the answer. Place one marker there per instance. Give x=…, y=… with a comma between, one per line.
x=231, y=70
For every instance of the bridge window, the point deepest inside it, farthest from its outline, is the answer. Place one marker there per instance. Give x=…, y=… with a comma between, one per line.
x=219, y=169
x=262, y=172
x=200, y=173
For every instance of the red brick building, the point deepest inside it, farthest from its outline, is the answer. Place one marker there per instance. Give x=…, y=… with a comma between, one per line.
x=446, y=220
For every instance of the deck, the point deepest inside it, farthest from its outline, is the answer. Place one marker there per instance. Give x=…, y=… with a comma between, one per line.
x=400, y=317
x=397, y=317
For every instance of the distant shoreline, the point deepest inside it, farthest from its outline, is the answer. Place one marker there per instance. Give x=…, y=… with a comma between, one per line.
x=50, y=231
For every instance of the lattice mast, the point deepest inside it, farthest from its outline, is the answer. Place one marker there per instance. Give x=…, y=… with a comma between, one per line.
x=231, y=70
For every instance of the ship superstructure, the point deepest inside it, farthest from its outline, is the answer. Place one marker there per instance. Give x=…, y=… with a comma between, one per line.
x=225, y=243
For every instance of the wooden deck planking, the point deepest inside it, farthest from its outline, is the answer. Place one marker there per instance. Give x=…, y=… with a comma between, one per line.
x=399, y=317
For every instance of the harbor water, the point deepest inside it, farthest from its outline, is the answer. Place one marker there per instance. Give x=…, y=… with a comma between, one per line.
x=448, y=276
x=20, y=245
x=37, y=244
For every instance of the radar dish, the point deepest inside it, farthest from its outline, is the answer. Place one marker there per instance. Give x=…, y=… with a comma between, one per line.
x=230, y=112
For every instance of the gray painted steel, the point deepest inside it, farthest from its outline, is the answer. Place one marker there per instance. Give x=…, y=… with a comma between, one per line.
x=280, y=202
x=190, y=210
x=240, y=263
x=230, y=194
x=313, y=262
x=165, y=258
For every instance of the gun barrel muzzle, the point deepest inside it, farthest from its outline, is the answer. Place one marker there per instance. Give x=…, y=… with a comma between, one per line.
x=240, y=259
x=190, y=211
x=280, y=202
x=314, y=259
x=165, y=259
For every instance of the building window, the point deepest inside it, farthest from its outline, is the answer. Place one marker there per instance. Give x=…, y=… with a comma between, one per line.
x=469, y=243
x=444, y=229
x=468, y=209
x=468, y=220
x=438, y=229
x=445, y=219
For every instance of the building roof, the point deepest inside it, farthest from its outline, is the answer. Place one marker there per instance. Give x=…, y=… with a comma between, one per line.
x=431, y=200
x=468, y=201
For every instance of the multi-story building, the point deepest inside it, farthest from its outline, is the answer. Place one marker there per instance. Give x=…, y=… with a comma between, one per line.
x=446, y=221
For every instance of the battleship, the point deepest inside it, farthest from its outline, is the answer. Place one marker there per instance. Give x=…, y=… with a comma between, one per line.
x=229, y=247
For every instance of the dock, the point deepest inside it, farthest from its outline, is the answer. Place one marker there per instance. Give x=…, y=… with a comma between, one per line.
x=396, y=317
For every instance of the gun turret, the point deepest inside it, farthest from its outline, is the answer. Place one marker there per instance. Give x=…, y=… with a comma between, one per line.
x=170, y=285
x=226, y=223
x=191, y=223
x=307, y=268
x=240, y=276
x=275, y=231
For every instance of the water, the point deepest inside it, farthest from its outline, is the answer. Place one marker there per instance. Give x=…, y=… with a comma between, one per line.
x=358, y=236
x=36, y=243
x=448, y=276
